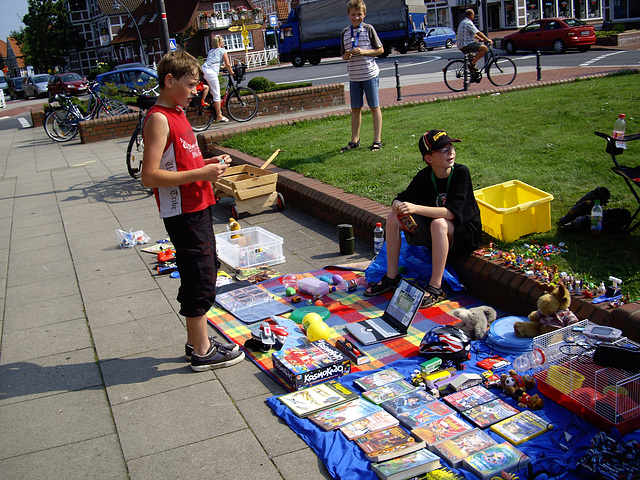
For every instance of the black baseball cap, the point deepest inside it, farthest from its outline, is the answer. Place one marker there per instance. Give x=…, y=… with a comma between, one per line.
x=434, y=140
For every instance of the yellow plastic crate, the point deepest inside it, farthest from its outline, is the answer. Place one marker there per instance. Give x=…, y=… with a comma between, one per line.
x=513, y=209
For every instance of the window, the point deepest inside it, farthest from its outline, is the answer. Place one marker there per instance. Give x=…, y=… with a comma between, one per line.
x=233, y=42
x=221, y=7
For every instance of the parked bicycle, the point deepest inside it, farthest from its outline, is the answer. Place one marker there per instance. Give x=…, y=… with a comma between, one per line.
x=499, y=70
x=63, y=116
x=241, y=102
x=135, y=149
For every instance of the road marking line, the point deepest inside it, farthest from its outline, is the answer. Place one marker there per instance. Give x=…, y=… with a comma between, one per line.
x=24, y=122
x=597, y=59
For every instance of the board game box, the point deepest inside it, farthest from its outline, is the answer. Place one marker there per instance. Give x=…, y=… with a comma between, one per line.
x=441, y=428
x=495, y=459
x=521, y=427
x=304, y=365
x=469, y=398
x=489, y=413
x=319, y=397
x=455, y=449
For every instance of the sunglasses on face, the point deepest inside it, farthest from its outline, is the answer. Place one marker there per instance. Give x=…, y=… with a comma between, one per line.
x=446, y=150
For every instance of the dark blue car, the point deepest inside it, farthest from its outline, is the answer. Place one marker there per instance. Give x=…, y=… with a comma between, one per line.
x=128, y=77
x=439, y=37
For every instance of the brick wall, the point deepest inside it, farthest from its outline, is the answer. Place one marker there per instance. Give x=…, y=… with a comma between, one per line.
x=271, y=103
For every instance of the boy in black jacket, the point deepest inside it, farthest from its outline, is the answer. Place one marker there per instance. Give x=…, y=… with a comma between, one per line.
x=441, y=202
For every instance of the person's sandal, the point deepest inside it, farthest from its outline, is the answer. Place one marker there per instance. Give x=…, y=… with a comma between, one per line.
x=432, y=296
x=376, y=146
x=385, y=285
x=350, y=146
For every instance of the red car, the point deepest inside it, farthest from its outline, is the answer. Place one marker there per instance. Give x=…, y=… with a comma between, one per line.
x=69, y=83
x=555, y=34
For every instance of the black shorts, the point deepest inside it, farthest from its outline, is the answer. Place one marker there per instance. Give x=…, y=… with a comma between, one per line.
x=195, y=243
x=466, y=238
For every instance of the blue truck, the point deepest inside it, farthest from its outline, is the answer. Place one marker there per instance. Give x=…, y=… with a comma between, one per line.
x=312, y=31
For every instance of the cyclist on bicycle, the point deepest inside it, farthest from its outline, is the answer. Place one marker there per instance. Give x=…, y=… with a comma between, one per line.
x=468, y=39
x=211, y=69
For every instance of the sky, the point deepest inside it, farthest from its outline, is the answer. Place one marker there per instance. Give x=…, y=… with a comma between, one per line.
x=11, y=13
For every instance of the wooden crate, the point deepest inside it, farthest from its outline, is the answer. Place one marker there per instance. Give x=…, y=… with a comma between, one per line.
x=246, y=181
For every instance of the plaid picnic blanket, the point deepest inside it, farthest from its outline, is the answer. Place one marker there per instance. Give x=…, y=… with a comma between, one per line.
x=345, y=307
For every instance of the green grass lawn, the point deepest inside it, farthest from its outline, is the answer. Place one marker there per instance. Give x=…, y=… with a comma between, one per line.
x=542, y=137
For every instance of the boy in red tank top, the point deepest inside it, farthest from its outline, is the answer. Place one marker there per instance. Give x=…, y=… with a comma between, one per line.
x=181, y=179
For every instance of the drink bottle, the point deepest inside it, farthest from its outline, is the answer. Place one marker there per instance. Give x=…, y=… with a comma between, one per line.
x=378, y=238
x=526, y=361
x=596, y=219
x=618, y=131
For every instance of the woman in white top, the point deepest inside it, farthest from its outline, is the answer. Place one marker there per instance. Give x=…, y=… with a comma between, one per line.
x=211, y=68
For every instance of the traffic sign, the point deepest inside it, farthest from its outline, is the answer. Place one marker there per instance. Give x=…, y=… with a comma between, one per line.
x=172, y=44
x=273, y=20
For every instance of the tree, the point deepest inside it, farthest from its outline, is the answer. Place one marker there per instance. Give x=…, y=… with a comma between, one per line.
x=47, y=35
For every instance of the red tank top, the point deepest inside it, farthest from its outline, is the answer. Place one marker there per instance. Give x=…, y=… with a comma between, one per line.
x=181, y=153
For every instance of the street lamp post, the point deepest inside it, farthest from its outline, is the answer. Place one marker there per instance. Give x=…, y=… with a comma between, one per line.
x=116, y=6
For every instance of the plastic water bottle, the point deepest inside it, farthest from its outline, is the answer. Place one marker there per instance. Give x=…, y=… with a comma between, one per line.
x=596, y=219
x=378, y=238
x=534, y=358
x=618, y=131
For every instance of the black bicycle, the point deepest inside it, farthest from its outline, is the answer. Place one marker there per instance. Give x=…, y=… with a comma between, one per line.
x=500, y=71
x=242, y=102
x=135, y=149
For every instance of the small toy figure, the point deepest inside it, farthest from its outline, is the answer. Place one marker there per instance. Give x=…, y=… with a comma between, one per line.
x=516, y=387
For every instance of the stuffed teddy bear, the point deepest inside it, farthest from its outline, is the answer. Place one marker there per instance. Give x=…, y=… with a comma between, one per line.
x=516, y=387
x=553, y=312
x=475, y=321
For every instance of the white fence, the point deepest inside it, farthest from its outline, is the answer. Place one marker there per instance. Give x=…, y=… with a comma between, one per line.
x=260, y=58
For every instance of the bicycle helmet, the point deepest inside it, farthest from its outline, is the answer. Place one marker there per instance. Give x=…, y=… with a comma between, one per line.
x=447, y=343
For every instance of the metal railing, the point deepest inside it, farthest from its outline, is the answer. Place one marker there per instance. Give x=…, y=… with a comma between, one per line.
x=261, y=57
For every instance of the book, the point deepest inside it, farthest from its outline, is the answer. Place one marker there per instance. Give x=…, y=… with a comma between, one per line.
x=489, y=462
x=407, y=402
x=319, y=397
x=441, y=428
x=489, y=413
x=407, y=466
x=377, y=379
x=456, y=449
x=387, y=444
x=386, y=392
x=369, y=424
x=423, y=415
x=521, y=427
x=301, y=366
x=336, y=417
x=469, y=398
x=442, y=473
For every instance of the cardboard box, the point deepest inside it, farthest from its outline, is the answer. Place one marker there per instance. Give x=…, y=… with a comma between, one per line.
x=513, y=209
x=308, y=364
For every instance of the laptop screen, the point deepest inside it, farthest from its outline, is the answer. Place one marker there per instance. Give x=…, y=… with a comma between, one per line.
x=403, y=305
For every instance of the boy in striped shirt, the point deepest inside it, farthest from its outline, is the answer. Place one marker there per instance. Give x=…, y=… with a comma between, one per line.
x=360, y=45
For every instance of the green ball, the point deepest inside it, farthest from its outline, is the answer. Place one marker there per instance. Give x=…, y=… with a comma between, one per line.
x=290, y=291
x=402, y=269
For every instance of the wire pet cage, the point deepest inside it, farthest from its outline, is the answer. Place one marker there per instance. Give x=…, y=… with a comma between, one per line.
x=608, y=397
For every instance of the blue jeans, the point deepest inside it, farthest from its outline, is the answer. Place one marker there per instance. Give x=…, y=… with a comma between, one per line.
x=368, y=88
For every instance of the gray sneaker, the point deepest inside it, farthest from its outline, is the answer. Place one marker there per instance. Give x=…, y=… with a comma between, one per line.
x=188, y=349
x=216, y=357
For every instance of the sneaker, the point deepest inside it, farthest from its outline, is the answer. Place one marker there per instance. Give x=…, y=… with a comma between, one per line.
x=216, y=357
x=188, y=349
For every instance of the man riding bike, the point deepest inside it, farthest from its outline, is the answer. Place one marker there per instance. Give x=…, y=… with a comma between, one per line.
x=469, y=39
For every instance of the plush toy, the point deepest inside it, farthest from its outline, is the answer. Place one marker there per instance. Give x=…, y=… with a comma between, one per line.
x=516, y=387
x=534, y=402
x=475, y=321
x=553, y=312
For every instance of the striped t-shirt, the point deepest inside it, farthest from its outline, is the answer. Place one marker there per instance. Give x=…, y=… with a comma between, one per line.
x=361, y=67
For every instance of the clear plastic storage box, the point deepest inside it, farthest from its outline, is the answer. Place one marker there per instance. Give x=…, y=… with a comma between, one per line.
x=249, y=247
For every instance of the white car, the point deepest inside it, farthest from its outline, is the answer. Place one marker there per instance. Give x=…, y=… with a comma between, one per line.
x=35, y=86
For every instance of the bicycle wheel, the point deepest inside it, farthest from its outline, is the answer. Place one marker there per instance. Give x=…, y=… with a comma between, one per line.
x=112, y=108
x=454, y=76
x=501, y=71
x=242, y=104
x=135, y=151
x=61, y=124
x=199, y=117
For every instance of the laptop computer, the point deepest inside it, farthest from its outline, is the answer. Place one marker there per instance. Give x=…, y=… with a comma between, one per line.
x=395, y=320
